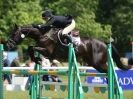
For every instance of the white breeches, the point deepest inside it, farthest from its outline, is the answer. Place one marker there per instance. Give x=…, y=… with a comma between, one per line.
x=69, y=28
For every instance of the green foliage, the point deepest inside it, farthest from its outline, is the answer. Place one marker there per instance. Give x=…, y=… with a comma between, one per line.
x=91, y=28
x=94, y=18
x=84, y=12
x=21, y=12
x=122, y=23
x=119, y=14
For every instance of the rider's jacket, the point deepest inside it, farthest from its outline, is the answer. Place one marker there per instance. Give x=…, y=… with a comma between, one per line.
x=57, y=22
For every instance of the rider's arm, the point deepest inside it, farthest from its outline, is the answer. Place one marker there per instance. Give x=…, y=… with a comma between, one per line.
x=45, y=27
x=48, y=24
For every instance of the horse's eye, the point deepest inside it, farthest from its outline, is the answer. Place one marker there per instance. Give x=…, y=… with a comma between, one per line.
x=22, y=36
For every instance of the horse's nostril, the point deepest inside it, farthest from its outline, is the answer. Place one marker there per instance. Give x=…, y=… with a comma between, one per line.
x=8, y=46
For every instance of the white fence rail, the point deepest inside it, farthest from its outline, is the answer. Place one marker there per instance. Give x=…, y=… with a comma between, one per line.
x=51, y=68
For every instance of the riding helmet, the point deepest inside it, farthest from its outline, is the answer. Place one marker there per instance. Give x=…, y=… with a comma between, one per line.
x=47, y=13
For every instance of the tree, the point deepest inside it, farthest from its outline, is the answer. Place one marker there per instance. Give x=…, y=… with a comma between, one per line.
x=84, y=12
x=95, y=18
x=22, y=12
x=122, y=23
x=119, y=14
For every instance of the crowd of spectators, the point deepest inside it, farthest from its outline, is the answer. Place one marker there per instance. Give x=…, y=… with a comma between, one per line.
x=44, y=63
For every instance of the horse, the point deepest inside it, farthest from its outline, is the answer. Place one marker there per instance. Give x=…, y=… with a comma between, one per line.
x=91, y=51
x=130, y=61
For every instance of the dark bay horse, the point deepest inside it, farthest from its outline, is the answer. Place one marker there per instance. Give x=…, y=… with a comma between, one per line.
x=91, y=51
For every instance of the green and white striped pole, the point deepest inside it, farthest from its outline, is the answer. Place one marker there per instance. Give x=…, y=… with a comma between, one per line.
x=1, y=67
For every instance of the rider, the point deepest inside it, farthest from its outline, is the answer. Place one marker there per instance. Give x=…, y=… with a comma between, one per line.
x=66, y=23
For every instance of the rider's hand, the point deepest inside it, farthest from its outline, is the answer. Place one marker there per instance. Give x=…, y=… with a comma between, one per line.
x=36, y=26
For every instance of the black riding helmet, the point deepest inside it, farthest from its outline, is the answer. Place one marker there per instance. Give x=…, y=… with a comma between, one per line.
x=47, y=13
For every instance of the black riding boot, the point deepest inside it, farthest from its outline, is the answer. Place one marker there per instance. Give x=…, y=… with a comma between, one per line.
x=67, y=38
x=75, y=47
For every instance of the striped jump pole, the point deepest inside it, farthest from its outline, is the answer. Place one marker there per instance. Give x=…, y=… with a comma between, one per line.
x=114, y=89
x=1, y=67
x=75, y=88
x=35, y=87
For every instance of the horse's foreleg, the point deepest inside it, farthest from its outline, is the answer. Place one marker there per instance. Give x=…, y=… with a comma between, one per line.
x=42, y=51
x=31, y=53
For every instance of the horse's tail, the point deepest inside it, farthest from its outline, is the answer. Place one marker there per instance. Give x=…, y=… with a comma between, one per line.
x=116, y=57
x=130, y=61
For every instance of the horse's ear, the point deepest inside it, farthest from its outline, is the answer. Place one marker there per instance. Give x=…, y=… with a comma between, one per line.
x=15, y=26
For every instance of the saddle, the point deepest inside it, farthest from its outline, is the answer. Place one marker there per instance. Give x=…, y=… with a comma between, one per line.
x=55, y=35
x=72, y=37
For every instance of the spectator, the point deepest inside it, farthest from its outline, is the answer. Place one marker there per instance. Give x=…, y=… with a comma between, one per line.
x=15, y=62
x=30, y=63
x=46, y=63
x=6, y=63
x=54, y=63
x=55, y=78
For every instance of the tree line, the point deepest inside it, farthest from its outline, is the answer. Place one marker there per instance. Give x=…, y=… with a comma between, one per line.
x=99, y=19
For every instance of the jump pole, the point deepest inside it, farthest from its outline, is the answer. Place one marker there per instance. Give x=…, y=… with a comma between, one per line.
x=73, y=66
x=1, y=67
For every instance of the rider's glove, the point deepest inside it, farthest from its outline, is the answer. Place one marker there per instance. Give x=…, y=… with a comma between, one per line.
x=66, y=36
x=36, y=26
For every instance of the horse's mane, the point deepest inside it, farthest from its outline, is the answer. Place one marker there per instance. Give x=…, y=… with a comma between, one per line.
x=26, y=26
x=30, y=27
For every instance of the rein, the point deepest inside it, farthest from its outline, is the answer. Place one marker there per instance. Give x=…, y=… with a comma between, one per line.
x=12, y=42
x=27, y=33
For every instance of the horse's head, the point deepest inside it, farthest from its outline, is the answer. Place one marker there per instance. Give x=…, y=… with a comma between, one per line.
x=18, y=34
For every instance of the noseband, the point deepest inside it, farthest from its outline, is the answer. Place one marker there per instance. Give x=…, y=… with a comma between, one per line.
x=12, y=42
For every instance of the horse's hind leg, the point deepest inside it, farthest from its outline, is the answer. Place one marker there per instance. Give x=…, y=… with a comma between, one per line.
x=31, y=53
x=42, y=51
x=99, y=61
x=102, y=68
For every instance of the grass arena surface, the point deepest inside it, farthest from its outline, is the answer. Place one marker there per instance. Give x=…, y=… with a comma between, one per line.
x=62, y=94
x=55, y=95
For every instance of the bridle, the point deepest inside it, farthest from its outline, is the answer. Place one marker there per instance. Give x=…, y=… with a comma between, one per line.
x=23, y=35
